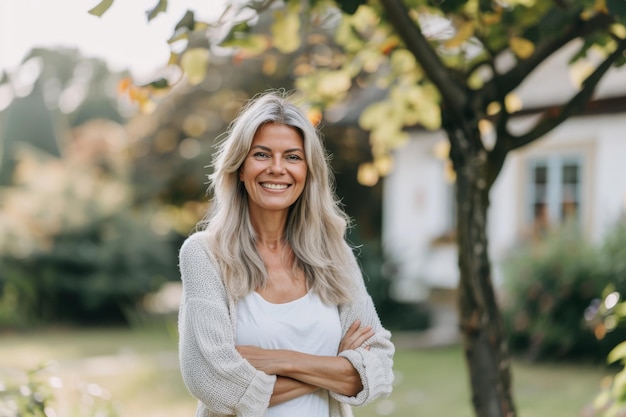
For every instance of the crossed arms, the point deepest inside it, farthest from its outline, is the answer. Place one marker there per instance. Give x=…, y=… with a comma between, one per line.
x=300, y=373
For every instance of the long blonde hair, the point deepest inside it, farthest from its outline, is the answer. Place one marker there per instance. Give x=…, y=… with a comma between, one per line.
x=316, y=223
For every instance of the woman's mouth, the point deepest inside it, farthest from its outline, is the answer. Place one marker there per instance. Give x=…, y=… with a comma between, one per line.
x=271, y=186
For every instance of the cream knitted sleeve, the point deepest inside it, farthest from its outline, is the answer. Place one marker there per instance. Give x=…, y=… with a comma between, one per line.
x=375, y=366
x=212, y=369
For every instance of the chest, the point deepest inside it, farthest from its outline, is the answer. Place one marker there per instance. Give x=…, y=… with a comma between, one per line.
x=305, y=324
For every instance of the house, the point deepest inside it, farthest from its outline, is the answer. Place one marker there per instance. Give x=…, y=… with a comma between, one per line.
x=577, y=170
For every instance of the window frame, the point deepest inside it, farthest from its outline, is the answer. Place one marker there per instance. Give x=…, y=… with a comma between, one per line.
x=554, y=187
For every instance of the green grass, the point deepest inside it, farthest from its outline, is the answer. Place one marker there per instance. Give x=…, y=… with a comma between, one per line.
x=434, y=382
x=139, y=370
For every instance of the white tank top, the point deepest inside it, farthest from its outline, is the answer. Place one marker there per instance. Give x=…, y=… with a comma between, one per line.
x=305, y=325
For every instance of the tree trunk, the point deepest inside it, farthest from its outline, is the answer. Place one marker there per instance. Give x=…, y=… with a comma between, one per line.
x=481, y=323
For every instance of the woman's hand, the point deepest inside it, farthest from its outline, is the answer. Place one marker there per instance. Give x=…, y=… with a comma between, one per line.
x=355, y=336
x=265, y=360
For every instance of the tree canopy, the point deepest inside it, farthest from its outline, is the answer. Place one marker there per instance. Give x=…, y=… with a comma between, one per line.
x=424, y=54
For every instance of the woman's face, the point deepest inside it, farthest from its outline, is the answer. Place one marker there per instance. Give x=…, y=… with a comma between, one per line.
x=274, y=171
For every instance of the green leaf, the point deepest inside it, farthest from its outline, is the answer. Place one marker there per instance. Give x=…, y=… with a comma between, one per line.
x=286, y=31
x=350, y=6
x=237, y=32
x=101, y=8
x=194, y=63
x=616, y=7
x=158, y=84
x=253, y=45
x=618, y=352
x=161, y=7
x=187, y=21
x=449, y=6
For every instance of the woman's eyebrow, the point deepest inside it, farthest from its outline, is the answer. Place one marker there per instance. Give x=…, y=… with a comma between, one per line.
x=265, y=148
x=293, y=150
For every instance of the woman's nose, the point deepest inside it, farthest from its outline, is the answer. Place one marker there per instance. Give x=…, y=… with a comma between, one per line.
x=276, y=166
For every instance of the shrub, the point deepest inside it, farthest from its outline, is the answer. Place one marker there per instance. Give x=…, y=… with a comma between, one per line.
x=72, y=248
x=90, y=275
x=548, y=286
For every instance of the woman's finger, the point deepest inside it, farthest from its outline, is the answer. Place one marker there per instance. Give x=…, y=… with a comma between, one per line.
x=355, y=336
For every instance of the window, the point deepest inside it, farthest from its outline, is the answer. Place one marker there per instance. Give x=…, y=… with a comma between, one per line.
x=555, y=191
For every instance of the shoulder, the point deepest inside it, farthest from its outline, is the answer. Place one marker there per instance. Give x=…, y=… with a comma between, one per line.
x=195, y=243
x=198, y=268
x=195, y=250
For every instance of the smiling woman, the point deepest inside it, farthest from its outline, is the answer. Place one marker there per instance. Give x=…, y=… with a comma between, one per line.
x=275, y=319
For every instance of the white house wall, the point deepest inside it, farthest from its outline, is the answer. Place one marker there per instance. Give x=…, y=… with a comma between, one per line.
x=417, y=200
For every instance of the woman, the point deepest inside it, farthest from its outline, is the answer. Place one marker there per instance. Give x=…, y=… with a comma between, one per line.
x=275, y=319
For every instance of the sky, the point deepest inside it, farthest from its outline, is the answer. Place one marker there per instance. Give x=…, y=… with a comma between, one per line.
x=122, y=36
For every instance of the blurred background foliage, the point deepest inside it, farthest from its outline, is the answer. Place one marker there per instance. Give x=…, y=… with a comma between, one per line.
x=96, y=197
x=556, y=287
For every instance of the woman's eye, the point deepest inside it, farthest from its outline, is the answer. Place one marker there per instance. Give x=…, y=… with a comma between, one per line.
x=261, y=155
x=294, y=158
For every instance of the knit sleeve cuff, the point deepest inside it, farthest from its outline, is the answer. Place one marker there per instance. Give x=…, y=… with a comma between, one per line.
x=373, y=377
x=256, y=398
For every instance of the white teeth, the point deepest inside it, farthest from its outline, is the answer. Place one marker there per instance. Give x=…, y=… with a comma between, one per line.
x=275, y=186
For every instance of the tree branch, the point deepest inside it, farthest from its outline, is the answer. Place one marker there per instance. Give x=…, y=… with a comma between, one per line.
x=500, y=86
x=452, y=93
x=555, y=116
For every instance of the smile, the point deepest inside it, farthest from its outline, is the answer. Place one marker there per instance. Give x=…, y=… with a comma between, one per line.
x=274, y=186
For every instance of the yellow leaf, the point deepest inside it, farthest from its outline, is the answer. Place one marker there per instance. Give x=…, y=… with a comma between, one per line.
x=618, y=30
x=249, y=46
x=475, y=80
x=286, y=31
x=173, y=58
x=124, y=85
x=430, y=116
x=372, y=116
x=383, y=164
x=430, y=93
x=521, y=47
x=491, y=18
x=513, y=103
x=367, y=174
x=194, y=64
x=493, y=108
x=315, y=116
x=364, y=18
x=333, y=83
x=600, y=7
x=389, y=45
x=403, y=61
x=463, y=33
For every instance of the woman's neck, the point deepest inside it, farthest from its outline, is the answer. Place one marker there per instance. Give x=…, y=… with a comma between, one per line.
x=269, y=229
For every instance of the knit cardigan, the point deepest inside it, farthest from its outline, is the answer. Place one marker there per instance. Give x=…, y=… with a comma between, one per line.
x=224, y=383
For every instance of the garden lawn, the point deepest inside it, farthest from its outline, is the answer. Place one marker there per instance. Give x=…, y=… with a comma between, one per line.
x=138, y=370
